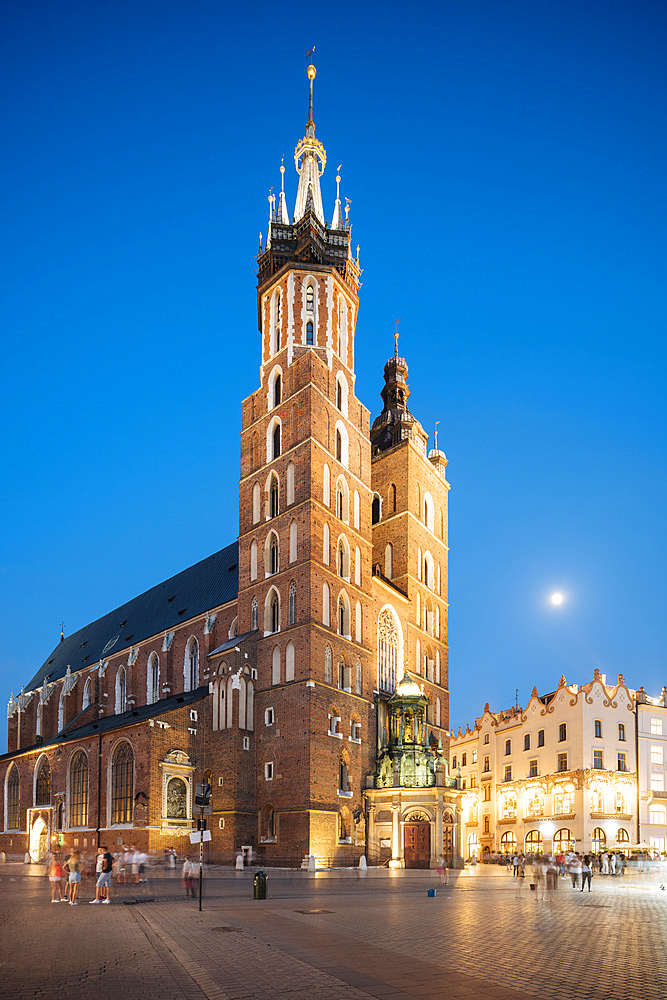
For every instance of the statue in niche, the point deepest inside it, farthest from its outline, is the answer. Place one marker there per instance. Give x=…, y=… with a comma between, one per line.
x=177, y=799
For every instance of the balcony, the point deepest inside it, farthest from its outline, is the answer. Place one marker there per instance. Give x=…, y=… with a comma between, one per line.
x=611, y=815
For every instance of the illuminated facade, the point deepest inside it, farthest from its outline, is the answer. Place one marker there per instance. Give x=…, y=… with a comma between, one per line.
x=559, y=774
x=652, y=751
x=270, y=664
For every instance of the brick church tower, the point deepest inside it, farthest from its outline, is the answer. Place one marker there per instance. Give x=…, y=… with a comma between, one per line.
x=305, y=549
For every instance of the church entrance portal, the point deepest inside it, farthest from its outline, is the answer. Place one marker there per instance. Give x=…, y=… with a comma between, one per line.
x=417, y=845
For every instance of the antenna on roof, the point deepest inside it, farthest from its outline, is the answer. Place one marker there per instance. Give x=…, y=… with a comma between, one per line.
x=516, y=699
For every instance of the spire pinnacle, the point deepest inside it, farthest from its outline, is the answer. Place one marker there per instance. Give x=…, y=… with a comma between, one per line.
x=337, y=221
x=396, y=339
x=62, y=631
x=310, y=160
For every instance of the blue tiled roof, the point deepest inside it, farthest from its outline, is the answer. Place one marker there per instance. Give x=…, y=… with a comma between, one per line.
x=206, y=585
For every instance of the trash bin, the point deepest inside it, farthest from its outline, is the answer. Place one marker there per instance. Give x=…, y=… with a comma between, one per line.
x=260, y=886
x=430, y=892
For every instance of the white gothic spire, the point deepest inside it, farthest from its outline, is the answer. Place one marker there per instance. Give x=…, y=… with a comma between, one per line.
x=310, y=160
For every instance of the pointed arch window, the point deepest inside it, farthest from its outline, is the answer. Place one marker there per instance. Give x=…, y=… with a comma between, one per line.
x=290, y=483
x=375, y=512
x=309, y=332
x=192, y=665
x=277, y=390
x=339, y=446
x=343, y=615
x=153, y=679
x=291, y=616
x=272, y=620
x=61, y=710
x=292, y=541
x=387, y=651
x=87, y=695
x=255, y=503
x=389, y=561
x=121, y=691
x=357, y=677
x=78, y=790
x=310, y=299
x=273, y=554
x=122, y=783
x=253, y=614
x=13, y=790
x=276, y=441
x=273, y=496
x=339, y=395
x=328, y=660
x=253, y=560
x=326, y=612
x=43, y=784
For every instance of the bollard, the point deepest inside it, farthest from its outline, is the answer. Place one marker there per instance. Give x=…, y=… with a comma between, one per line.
x=260, y=886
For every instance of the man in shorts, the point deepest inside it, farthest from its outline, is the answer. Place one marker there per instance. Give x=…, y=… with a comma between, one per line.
x=103, y=885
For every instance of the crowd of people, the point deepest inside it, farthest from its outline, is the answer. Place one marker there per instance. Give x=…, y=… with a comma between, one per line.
x=545, y=870
x=128, y=866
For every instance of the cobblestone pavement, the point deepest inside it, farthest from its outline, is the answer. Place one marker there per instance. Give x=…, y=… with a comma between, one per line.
x=376, y=936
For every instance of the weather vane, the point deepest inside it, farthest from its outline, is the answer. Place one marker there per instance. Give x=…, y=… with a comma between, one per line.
x=309, y=54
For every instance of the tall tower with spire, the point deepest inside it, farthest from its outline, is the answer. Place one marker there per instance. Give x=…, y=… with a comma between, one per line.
x=305, y=524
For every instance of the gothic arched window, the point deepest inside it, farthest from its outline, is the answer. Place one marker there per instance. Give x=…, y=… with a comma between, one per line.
x=78, y=790
x=277, y=387
x=192, y=664
x=310, y=299
x=253, y=614
x=122, y=783
x=121, y=690
x=87, y=695
x=339, y=446
x=43, y=784
x=13, y=789
x=387, y=651
x=291, y=614
x=309, y=332
x=153, y=679
x=376, y=509
x=273, y=496
x=328, y=659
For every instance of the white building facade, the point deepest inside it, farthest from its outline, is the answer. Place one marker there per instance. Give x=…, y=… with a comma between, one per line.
x=652, y=756
x=560, y=774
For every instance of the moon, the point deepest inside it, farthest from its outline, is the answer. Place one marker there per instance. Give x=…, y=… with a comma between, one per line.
x=557, y=598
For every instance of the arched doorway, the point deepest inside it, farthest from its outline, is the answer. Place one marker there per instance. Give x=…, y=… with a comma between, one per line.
x=39, y=839
x=417, y=841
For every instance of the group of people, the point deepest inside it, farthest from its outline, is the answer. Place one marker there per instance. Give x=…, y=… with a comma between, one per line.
x=546, y=869
x=128, y=864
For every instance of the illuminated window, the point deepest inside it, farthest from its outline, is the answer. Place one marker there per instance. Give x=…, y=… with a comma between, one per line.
x=598, y=840
x=508, y=807
x=464, y=760
x=656, y=755
x=562, y=762
x=78, y=790
x=122, y=783
x=508, y=772
x=622, y=837
x=43, y=785
x=562, y=732
x=622, y=764
x=563, y=841
x=563, y=801
x=657, y=815
x=597, y=759
x=13, y=788
x=487, y=793
x=598, y=729
x=535, y=803
x=387, y=651
x=658, y=782
x=656, y=727
x=540, y=738
x=474, y=756
x=454, y=762
x=487, y=765
x=532, y=769
x=621, y=804
x=507, y=841
x=534, y=842
x=473, y=780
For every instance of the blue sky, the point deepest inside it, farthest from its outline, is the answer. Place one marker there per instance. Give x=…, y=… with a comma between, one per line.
x=505, y=164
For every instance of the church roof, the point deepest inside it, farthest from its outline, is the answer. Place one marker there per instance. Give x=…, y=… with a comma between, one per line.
x=110, y=722
x=208, y=584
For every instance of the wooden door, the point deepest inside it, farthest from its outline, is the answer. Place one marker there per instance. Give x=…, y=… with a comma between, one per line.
x=417, y=845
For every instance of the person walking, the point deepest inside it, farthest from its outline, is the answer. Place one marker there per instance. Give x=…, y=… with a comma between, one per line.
x=586, y=873
x=515, y=866
x=442, y=871
x=103, y=884
x=188, y=877
x=74, y=878
x=575, y=871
